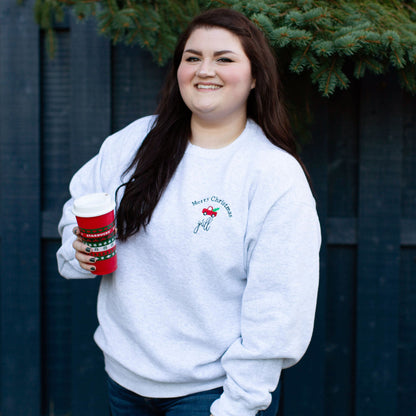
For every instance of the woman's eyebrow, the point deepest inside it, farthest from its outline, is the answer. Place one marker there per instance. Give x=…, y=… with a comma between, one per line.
x=216, y=53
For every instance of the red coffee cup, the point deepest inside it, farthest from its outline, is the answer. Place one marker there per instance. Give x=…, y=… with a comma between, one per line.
x=95, y=218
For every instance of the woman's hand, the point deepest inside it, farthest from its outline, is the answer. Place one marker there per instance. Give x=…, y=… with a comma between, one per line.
x=82, y=252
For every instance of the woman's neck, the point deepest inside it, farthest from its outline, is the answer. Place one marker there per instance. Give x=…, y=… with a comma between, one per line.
x=216, y=134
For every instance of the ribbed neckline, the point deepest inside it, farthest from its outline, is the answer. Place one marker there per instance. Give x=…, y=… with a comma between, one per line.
x=215, y=153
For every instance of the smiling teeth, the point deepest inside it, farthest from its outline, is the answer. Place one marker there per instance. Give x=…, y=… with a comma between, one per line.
x=209, y=87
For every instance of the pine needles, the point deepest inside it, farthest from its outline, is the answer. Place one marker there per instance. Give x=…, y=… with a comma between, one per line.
x=318, y=38
x=322, y=37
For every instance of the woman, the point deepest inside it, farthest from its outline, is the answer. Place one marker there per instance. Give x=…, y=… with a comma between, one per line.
x=218, y=237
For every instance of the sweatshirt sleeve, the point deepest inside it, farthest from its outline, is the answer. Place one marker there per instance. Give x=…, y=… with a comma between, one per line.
x=278, y=306
x=86, y=180
x=101, y=174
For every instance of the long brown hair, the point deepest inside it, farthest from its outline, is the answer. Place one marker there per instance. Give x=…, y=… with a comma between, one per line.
x=164, y=146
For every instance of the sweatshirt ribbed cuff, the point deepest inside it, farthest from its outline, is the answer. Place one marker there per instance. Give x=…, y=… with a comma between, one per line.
x=226, y=406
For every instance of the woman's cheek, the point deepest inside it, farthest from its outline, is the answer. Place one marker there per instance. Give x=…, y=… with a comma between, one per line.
x=184, y=75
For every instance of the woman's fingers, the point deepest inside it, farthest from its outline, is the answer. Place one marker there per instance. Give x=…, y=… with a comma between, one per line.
x=82, y=251
x=85, y=261
x=80, y=246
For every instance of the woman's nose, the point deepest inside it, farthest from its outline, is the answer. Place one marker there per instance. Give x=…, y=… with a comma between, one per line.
x=206, y=68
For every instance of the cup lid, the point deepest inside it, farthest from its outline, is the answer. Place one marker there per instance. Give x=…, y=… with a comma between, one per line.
x=93, y=205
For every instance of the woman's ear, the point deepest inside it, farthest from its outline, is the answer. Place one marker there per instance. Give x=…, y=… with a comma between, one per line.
x=253, y=84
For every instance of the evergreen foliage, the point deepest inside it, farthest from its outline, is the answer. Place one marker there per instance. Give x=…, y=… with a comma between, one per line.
x=319, y=38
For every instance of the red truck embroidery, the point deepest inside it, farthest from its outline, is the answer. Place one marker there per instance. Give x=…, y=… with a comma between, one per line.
x=210, y=211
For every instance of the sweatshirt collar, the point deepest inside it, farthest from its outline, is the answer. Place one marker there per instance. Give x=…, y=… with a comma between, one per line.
x=230, y=148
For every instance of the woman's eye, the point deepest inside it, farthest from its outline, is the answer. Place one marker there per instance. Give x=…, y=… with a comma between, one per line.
x=192, y=59
x=225, y=60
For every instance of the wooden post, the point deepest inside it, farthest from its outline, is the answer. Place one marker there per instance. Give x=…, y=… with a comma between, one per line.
x=406, y=388
x=378, y=248
x=136, y=81
x=304, y=384
x=56, y=299
x=342, y=252
x=20, y=264
x=90, y=125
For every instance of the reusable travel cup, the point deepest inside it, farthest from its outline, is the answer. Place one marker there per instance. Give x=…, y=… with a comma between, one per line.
x=95, y=218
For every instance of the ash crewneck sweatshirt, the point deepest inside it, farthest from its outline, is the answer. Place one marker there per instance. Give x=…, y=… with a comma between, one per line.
x=220, y=290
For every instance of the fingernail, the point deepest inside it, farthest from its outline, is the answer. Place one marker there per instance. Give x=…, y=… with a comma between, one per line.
x=75, y=231
x=92, y=260
x=88, y=250
x=92, y=268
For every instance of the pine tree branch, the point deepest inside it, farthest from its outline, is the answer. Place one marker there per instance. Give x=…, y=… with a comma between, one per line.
x=407, y=6
x=72, y=2
x=222, y=3
x=315, y=36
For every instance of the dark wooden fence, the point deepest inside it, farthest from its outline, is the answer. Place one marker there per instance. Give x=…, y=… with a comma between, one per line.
x=54, y=114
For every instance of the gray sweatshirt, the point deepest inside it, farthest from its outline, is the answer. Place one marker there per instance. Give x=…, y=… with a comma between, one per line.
x=220, y=290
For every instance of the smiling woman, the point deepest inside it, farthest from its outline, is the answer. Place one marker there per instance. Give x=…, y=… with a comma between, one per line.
x=215, y=85
x=218, y=236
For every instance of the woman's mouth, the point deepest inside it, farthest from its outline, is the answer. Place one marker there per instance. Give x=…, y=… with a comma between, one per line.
x=208, y=86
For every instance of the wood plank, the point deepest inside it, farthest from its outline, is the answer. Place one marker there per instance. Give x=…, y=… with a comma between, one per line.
x=56, y=307
x=406, y=386
x=409, y=158
x=341, y=231
x=343, y=153
x=378, y=247
x=407, y=329
x=340, y=340
x=56, y=123
x=408, y=232
x=56, y=335
x=136, y=83
x=50, y=219
x=91, y=122
x=342, y=166
x=20, y=391
x=304, y=384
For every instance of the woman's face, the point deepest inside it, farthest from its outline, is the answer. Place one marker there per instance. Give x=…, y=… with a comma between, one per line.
x=214, y=75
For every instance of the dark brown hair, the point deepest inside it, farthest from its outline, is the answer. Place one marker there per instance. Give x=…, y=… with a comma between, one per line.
x=164, y=146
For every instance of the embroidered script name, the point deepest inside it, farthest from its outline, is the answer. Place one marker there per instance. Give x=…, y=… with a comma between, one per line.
x=204, y=224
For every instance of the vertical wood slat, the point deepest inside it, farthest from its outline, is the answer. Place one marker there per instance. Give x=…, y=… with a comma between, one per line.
x=407, y=329
x=378, y=248
x=136, y=81
x=56, y=335
x=55, y=122
x=90, y=124
x=342, y=253
x=56, y=299
x=340, y=346
x=304, y=384
x=20, y=267
x=406, y=387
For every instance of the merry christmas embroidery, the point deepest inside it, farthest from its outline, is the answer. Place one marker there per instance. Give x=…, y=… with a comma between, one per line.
x=210, y=212
x=215, y=200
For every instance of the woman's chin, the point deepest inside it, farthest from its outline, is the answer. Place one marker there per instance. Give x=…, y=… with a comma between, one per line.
x=207, y=114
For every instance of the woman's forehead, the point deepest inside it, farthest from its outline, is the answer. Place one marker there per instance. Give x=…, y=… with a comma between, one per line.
x=213, y=34
x=213, y=37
